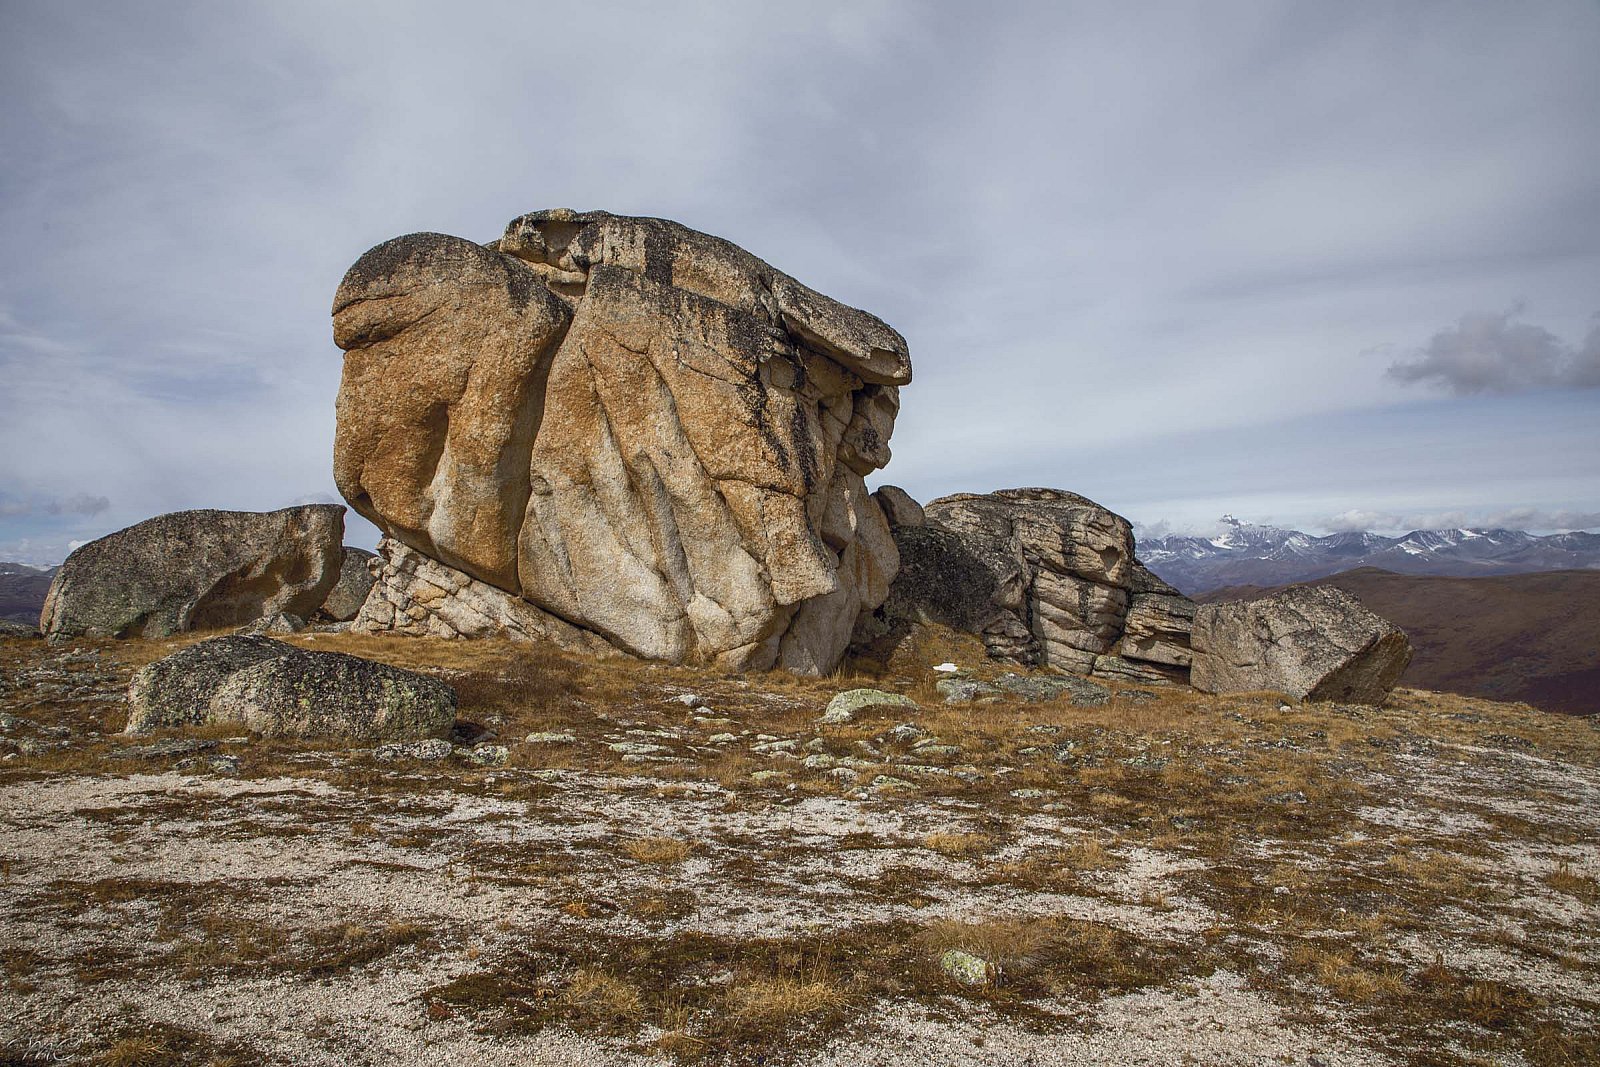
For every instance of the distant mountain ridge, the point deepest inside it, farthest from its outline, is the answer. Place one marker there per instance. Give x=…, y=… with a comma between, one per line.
x=1246, y=554
x=22, y=591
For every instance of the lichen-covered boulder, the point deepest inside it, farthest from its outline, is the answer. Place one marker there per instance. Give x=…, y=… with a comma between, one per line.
x=332, y=695
x=177, y=690
x=638, y=429
x=1311, y=642
x=197, y=570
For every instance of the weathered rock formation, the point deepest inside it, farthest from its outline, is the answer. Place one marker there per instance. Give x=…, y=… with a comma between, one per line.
x=350, y=591
x=1311, y=642
x=277, y=689
x=1045, y=577
x=195, y=570
x=642, y=432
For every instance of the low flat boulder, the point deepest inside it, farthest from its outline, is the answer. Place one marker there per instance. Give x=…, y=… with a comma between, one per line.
x=197, y=570
x=843, y=707
x=1311, y=642
x=177, y=690
x=332, y=695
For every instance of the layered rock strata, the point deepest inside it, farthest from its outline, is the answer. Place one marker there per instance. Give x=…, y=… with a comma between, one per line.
x=1045, y=577
x=643, y=432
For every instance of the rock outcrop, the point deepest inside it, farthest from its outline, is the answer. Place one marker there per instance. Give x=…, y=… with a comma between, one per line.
x=195, y=570
x=279, y=690
x=350, y=591
x=1045, y=577
x=641, y=431
x=1311, y=642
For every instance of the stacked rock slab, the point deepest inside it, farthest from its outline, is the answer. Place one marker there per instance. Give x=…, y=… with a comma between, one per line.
x=1311, y=642
x=196, y=570
x=643, y=432
x=1045, y=577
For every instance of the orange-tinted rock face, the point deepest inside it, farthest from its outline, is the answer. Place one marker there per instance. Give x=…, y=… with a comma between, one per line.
x=639, y=429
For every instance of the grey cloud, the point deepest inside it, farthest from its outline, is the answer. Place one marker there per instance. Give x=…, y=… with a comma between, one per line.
x=82, y=504
x=1517, y=518
x=1499, y=354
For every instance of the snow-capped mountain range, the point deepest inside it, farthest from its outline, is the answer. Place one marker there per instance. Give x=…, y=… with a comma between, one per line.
x=1245, y=554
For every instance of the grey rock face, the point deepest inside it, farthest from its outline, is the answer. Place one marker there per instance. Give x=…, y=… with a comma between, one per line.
x=177, y=690
x=195, y=570
x=330, y=694
x=350, y=591
x=1312, y=642
x=898, y=507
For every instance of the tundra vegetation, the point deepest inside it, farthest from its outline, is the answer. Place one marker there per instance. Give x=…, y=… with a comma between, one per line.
x=680, y=864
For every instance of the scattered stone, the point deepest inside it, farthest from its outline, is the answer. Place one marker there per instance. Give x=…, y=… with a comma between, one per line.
x=688, y=700
x=723, y=739
x=905, y=733
x=484, y=755
x=430, y=750
x=1079, y=692
x=767, y=776
x=819, y=762
x=1510, y=741
x=843, y=707
x=966, y=969
x=1030, y=794
x=166, y=748
x=937, y=751
x=888, y=783
x=638, y=748
x=216, y=764
x=967, y=691
x=947, y=668
x=550, y=737
x=1311, y=642
x=330, y=694
x=786, y=745
x=197, y=570
x=279, y=623
x=177, y=690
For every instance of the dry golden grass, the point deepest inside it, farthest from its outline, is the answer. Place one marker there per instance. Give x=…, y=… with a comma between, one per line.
x=662, y=851
x=958, y=845
x=783, y=998
x=602, y=997
x=1348, y=981
x=138, y=1052
x=1574, y=883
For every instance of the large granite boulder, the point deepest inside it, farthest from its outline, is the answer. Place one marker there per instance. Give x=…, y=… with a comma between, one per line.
x=1311, y=642
x=177, y=690
x=197, y=570
x=641, y=431
x=332, y=695
x=350, y=591
x=1045, y=577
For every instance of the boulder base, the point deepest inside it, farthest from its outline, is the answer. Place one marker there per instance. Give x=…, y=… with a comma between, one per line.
x=330, y=694
x=1311, y=642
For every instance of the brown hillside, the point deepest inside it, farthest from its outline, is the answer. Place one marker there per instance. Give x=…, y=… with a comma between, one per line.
x=1518, y=637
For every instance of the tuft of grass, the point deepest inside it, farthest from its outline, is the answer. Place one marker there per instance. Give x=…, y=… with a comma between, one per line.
x=604, y=1000
x=662, y=851
x=142, y=1051
x=1566, y=880
x=780, y=999
x=958, y=845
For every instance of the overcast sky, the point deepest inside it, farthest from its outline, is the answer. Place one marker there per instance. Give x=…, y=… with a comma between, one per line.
x=1322, y=265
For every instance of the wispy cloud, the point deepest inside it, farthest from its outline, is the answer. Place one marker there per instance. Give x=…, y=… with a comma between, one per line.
x=1500, y=354
x=1516, y=518
x=83, y=504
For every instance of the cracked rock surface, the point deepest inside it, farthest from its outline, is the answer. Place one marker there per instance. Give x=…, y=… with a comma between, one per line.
x=642, y=431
